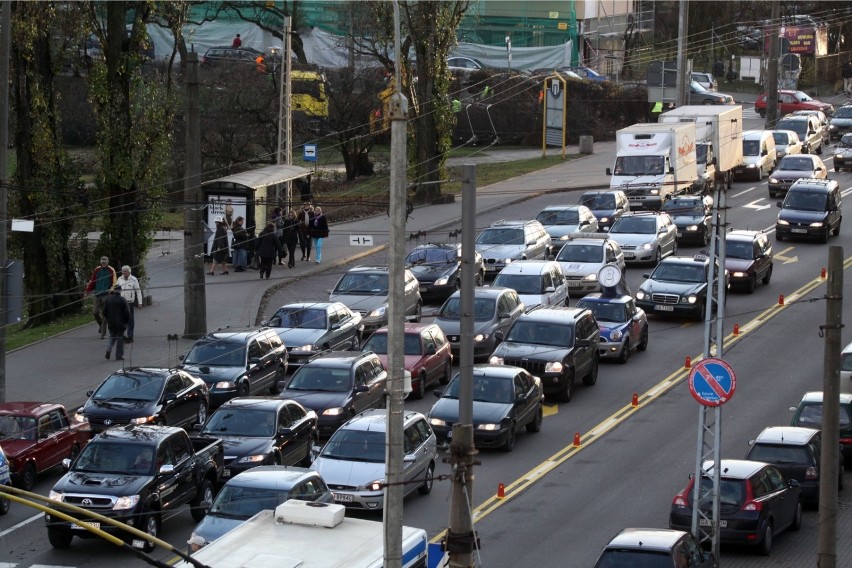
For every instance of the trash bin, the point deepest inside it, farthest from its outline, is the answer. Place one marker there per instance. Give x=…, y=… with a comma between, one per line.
x=586, y=145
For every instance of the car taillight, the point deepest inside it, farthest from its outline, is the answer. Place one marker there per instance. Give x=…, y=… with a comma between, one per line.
x=682, y=498
x=811, y=473
x=846, y=440
x=750, y=504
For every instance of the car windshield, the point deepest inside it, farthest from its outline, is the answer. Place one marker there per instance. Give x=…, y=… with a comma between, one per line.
x=751, y=147
x=684, y=207
x=355, y=445
x=430, y=255
x=317, y=378
x=483, y=308
x=846, y=362
x=796, y=163
x=236, y=502
x=17, y=427
x=540, y=333
x=485, y=389
x=845, y=142
x=115, y=457
x=701, y=153
x=739, y=249
x=217, y=353
x=811, y=416
x=241, y=422
x=521, y=283
x=633, y=558
x=677, y=272
x=130, y=387
x=598, y=201
x=778, y=453
x=800, y=127
x=635, y=225
x=639, y=165
x=363, y=284
x=378, y=343
x=606, y=311
x=580, y=253
x=805, y=201
x=559, y=217
x=781, y=138
x=501, y=237
x=802, y=96
x=299, y=317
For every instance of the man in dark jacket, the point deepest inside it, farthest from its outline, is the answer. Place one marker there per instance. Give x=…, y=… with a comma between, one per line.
x=117, y=316
x=267, y=248
x=102, y=280
x=846, y=73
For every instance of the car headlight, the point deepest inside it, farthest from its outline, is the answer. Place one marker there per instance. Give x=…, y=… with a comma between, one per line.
x=438, y=422
x=143, y=420
x=604, y=219
x=640, y=295
x=838, y=156
x=252, y=459
x=442, y=281
x=126, y=502
x=303, y=348
x=654, y=192
x=692, y=228
x=615, y=335
x=488, y=427
x=782, y=222
x=479, y=337
x=378, y=312
x=508, y=260
x=691, y=299
x=647, y=246
x=495, y=360
x=224, y=385
x=553, y=367
x=738, y=274
x=377, y=485
x=817, y=224
x=751, y=166
x=773, y=180
x=564, y=238
x=55, y=495
x=337, y=411
x=832, y=127
x=591, y=277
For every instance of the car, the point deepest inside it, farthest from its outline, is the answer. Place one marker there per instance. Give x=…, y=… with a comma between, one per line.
x=692, y=216
x=791, y=101
x=665, y=548
x=587, y=73
x=560, y=221
x=812, y=209
x=461, y=64
x=606, y=206
x=504, y=242
x=840, y=123
x=796, y=452
x=537, y=282
x=678, y=287
x=506, y=399
x=705, y=79
x=427, y=354
x=227, y=55
x=808, y=129
x=748, y=259
x=437, y=267
x=557, y=344
x=37, y=436
x=623, y=327
x=843, y=153
x=146, y=395
x=759, y=154
x=5, y=479
x=786, y=143
x=308, y=328
x=581, y=259
x=756, y=502
x=353, y=460
x=792, y=168
x=846, y=364
x=337, y=385
x=822, y=120
x=238, y=362
x=259, y=488
x=365, y=289
x=808, y=414
x=698, y=95
x=565, y=72
x=262, y=431
x=494, y=308
x=645, y=236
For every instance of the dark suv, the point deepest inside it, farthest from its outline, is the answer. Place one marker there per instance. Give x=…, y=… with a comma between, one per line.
x=337, y=385
x=556, y=344
x=238, y=363
x=748, y=259
x=227, y=55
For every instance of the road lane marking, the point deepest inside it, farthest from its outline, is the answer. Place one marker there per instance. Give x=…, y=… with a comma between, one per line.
x=744, y=192
x=22, y=524
x=786, y=259
x=757, y=205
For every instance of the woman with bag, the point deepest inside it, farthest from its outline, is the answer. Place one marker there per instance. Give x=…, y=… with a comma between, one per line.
x=318, y=231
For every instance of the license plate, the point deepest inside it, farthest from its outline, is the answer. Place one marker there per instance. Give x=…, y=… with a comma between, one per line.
x=450, y=434
x=628, y=255
x=573, y=283
x=706, y=523
x=798, y=230
x=663, y=308
x=490, y=268
x=343, y=497
x=92, y=524
x=679, y=235
x=226, y=472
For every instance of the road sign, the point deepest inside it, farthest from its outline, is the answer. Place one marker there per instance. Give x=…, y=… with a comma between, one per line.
x=310, y=152
x=360, y=240
x=712, y=382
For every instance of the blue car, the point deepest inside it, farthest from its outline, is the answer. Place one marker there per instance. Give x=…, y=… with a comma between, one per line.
x=589, y=74
x=5, y=479
x=623, y=326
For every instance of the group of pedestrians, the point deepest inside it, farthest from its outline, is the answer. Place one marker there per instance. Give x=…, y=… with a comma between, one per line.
x=116, y=300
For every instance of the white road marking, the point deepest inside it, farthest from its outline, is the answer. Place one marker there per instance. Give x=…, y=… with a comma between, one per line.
x=744, y=191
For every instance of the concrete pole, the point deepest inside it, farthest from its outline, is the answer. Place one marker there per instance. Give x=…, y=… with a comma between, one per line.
x=829, y=460
x=285, y=115
x=772, y=68
x=194, y=292
x=5, y=44
x=683, y=29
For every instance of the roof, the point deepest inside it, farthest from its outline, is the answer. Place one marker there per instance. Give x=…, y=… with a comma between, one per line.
x=527, y=266
x=654, y=539
x=818, y=185
x=376, y=420
x=495, y=371
x=786, y=435
x=262, y=177
x=557, y=314
x=312, y=305
x=816, y=396
x=485, y=291
x=702, y=259
x=341, y=358
x=409, y=327
x=34, y=408
x=734, y=469
x=132, y=433
x=742, y=234
x=224, y=334
x=279, y=477
x=255, y=402
x=600, y=298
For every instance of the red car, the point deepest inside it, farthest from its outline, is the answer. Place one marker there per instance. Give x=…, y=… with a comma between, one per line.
x=791, y=101
x=428, y=355
x=37, y=436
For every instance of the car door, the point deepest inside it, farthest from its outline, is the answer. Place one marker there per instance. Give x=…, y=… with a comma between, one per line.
x=613, y=255
x=428, y=358
x=183, y=458
x=47, y=446
x=412, y=293
x=176, y=410
x=172, y=487
x=583, y=355
x=508, y=310
x=345, y=334
x=634, y=324
x=782, y=498
x=666, y=234
x=302, y=425
x=257, y=373
x=559, y=296
x=64, y=436
x=524, y=404
x=290, y=446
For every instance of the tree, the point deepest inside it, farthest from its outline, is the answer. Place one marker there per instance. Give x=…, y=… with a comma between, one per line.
x=352, y=96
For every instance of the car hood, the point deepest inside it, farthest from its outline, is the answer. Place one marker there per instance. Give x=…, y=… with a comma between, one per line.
x=737, y=264
x=665, y=287
x=363, y=304
x=348, y=472
x=211, y=374
x=579, y=268
x=14, y=448
x=794, y=174
x=453, y=327
x=431, y=272
x=556, y=231
x=513, y=350
x=316, y=400
x=239, y=446
x=118, y=409
x=447, y=409
x=298, y=336
x=799, y=216
x=500, y=251
x=841, y=122
x=633, y=238
x=102, y=483
x=845, y=152
x=213, y=526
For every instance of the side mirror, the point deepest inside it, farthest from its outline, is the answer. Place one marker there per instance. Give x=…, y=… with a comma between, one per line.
x=609, y=171
x=90, y=393
x=282, y=385
x=169, y=397
x=167, y=469
x=438, y=393
x=408, y=458
x=778, y=204
x=285, y=431
x=253, y=360
x=181, y=357
x=504, y=315
x=66, y=464
x=646, y=275
x=360, y=388
x=549, y=289
x=198, y=427
x=499, y=335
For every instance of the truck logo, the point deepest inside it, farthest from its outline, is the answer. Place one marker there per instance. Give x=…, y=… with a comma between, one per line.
x=86, y=502
x=686, y=146
x=642, y=145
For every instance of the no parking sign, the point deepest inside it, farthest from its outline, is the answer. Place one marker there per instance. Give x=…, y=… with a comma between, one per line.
x=712, y=382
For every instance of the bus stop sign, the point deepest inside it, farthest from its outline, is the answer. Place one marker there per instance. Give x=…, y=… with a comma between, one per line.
x=712, y=382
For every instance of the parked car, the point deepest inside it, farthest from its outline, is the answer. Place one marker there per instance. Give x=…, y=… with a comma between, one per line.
x=353, y=460
x=364, y=289
x=822, y=120
x=843, y=153
x=793, y=168
x=5, y=479
x=504, y=242
x=748, y=259
x=238, y=363
x=308, y=328
x=664, y=548
x=263, y=431
x=786, y=143
x=427, y=354
x=606, y=206
x=808, y=414
x=462, y=64
x=145, y=395
x=645, y=236
x=37, y=436
x=228, y=55
x=560, y=221
x=505, y=400
x=623, y=326
x=691, y=216
x=259, y=488
x=706, y=80
x=337, y=385
x=756, y=502
x=808, y=129
x=678, y=286
x=437, y=267
x=582, y=258
x=588, y=74
x=537, y=282
x=790, y=101
x=698, y=95
x=841, y=122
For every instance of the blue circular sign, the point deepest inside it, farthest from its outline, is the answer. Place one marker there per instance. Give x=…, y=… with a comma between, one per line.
x=712, y=382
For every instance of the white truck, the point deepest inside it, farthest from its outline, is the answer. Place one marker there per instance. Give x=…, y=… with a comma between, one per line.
x=653, y=163
x=718, y=137
x=308, y=534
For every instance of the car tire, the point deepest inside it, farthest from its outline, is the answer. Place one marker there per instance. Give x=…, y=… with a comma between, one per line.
x=58, y=538
x=819, y=150
x=797, y=518
x=205, y=493
x=658, y=257
x=751, y=285
x=778, y=237
x=762, y=113
x=625, y=352
x=243, y=389
x=418, y=313
x=280, y=377
x=480, y=279
x=825, y=235
x=568, y=390
x=643, y=342
x=768, y=276
x=201, y=413
x=836, y=230
x=420, y=391
x=509, y=445
x=592, y=378
x=5, y=505
x=151, y=526
x=706, y=238
x=426, y=488
x=28, y=477
x=534, y=425
x=765, y=544
x=448, y=372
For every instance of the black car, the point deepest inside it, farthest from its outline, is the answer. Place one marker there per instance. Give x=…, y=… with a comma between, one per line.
x=678, y=286
x=337, y=385
x=756, y=502
x=843, y=152
x=228, y=55
x=748, y=259
x=664, y=548
x=557, y=344
x=147, y=396
x=263, y=431
x=505, y=399
x=840, y=123
x=691, y=215
x=238, y=363
x=437, y=267
x=607, y=206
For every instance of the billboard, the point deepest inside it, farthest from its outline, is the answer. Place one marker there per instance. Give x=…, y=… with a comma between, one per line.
x=804, y=40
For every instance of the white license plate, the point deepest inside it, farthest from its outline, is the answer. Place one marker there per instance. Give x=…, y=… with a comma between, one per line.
x=573, y=283
x=663, y=308
x=226, y=472
x=490, y=268
x=88, y=524
x=628, y=255
x=679, y=235
x=798, y=230
x=706, y=523
x=343, y=497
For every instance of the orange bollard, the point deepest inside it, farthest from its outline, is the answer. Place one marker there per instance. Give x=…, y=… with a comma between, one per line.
x=781, y=300
x=577, y=440
x=823, y=274
x=635, y=402
x=688, y=363
x=736, y=329
x=501, y=491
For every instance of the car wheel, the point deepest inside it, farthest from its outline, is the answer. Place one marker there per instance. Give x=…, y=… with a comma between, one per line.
x=420, y=391
x=201, y=414
x=765, y=545
x=535, y=424
x=160, y=421
x=28, y=476
x=58, y=538
x=510, y=439
x=625, y=352
x=762, y=113
x=751, y=284
x=565, y=394
x=243, y=389
x=447, y=375
x=797, y=518
x=643, y=342
x=836, y=230
x=151, y=524
x=5, y=505
x=759, y=173
x=707, y=102
x=590, y=379
x=825, y=235
x=426, y=488
x=659, y=256
x=706, y=238
x=205, y=495
x=280, y=376
x=276, y=458
x=778, y=237
x=418, y=313
x=819, y=150
x=768, y=276
x=480, y=279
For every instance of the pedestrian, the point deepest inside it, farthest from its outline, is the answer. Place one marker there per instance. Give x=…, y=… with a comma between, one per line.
x=229, y=215
x=267, y=249
x=220, y=247
x=319, y=231
x=241, y=238
x=291, y=237
x=305, y=217
x=131, y=291
x=278, y=219
x=117, y=316
x=196, y=542
x=846, y=73
x=237, y=41
x=101, y=282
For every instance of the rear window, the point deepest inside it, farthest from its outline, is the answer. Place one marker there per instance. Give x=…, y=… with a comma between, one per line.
x=521, y=283
x=811, y=416
x=217, y=353
x=779, y=454
x=846, y=362
x=615, y=558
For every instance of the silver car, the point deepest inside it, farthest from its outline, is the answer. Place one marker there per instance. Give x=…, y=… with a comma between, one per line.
x=364, y=289
x=353, y=460
x=560, y=221
x=582, y=258
x=645, y=237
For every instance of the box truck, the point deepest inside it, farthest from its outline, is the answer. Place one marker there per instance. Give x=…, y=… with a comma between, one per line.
x=653, y=163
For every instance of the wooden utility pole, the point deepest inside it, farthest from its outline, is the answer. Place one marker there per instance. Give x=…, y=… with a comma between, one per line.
x=5, y=44
x=772, y=67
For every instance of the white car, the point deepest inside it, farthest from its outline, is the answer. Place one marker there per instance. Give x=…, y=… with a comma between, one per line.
x=537, y=282
x=645, y=236
x=581, y=259
x=786, y=142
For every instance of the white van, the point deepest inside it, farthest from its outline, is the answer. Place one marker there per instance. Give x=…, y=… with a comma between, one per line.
x=759, y=154
x=537, y=282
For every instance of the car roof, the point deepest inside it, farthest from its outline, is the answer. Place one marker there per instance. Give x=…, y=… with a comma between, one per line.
x=742, y=235
x=382, y=269
x=24, y=407
x=256, y=402
x=756, y=133
x=409, y=327
x=375, y=420
x=280, y=477
x=313, y=305
x=786, y=435
x=238, y=335
x=338, y=358
x=495, y=371
x=511, y=223
x=816, y=397
x=734, y=469
x=814, y=184
x=448, y=246
x=599, y=298
x=698, y=258
x=485, y=292
x=575, y=207
x=554, y=314
x=138, y=433
x=527, y=267
x=652, y=539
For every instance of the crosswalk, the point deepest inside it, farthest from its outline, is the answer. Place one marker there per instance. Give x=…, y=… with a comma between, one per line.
x=749, y=112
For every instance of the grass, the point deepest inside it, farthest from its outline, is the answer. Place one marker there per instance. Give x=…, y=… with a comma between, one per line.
x=486, y=174
x=17, y=336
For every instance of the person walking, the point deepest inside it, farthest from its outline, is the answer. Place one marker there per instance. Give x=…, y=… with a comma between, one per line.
x=846, y=73
x=267, y=249
x=117, y=316
x=131, y=291
x=220, y=247
x=291, y=237
x=237, y=41
x=101, y=282
x=241, y=238
x=306, y=215
x=278, y=219
x=319, y=231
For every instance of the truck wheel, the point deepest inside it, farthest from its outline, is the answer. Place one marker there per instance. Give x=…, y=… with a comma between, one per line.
x=205, y=493
x=58, y=538
x=28, y=477
x=151, y=526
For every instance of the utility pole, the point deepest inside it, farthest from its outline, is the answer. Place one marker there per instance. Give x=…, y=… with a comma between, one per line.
x=194, y=292
x=285, y=113
x=683, y=29
x=772, y=67
x=829, y=460
x=5, y=44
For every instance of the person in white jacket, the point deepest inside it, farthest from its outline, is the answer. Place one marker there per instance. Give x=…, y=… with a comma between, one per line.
x=132, y=294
